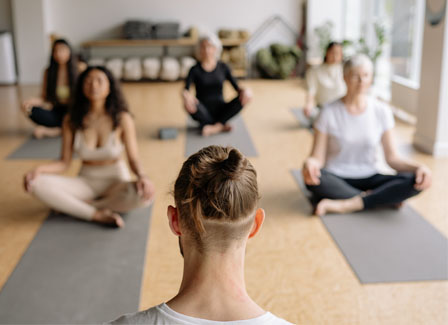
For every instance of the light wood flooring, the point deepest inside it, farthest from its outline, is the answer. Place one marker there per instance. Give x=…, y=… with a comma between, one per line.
x=293, y=267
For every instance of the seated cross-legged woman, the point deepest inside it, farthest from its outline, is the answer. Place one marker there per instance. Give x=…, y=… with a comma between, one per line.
x=98, y=128
x=208, y=75
x=58, y=85
x=325, y=83
x=342, y=171
x=215, y=213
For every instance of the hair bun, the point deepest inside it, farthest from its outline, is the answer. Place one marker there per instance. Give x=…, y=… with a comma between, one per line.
x=230, y=167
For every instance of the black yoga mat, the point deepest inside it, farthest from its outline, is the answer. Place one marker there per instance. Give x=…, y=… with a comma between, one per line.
x=388, y=245
x=47, y=148
x=77, y=272
x=239, y=138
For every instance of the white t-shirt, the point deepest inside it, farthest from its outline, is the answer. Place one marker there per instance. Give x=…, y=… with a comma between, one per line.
x=354, y=140
x=326, y=83
x=164, y=315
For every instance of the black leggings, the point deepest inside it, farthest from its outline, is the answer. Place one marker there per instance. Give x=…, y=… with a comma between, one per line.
x=49, y=118
x=217, y=112
x=384, y=190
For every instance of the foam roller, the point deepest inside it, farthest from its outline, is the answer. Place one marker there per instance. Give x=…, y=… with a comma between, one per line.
x=151, y=68
x=116, y=67
x=186, y=63
x=170, y=69
x=132, y=69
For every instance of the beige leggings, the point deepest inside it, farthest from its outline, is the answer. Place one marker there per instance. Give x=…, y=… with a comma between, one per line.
x=96, y=187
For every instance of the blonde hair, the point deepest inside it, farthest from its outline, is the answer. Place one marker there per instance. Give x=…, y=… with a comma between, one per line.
x=216, y=194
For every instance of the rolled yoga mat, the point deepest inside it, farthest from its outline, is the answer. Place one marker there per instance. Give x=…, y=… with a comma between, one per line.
x=239, y=138
x=387, y=245
x=47, y=148
x=77, y=272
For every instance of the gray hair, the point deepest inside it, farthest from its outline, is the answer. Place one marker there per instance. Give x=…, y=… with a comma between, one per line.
x=357, y=60
x=212, y=39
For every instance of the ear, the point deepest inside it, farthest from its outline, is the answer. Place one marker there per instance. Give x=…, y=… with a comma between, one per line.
x=258, y=221
x=173, y=219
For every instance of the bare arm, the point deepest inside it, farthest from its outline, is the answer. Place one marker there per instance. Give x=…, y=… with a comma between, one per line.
x=58, y=166
x=144, y=186
x=314, y=163
x=44, y=85
x=311, y=85
x=129, y=138
x=423, y=177
x=393, y=159
x=61, y=165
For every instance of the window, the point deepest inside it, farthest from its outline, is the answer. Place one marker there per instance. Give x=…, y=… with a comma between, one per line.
x=406, y=41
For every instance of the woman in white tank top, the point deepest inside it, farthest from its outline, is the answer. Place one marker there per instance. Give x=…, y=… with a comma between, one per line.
x=98, y=128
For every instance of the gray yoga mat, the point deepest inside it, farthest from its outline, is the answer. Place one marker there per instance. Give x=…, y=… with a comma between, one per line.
x=77, y=272
x=47, y=148
x=387, y=245
x=239, y=138
x=304, y=121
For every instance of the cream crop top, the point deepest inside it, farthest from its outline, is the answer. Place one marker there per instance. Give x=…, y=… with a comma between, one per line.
x=112, y=149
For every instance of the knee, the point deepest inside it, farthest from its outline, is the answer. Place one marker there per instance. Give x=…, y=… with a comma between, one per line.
x=41, y=184
x=409, y=180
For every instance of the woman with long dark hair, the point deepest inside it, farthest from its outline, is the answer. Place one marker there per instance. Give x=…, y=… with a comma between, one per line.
x=59, y=80
x=98, y=128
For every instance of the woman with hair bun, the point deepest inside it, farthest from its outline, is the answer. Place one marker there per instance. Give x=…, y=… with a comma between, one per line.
x=208, y=75
x=98, y=128
x=215, y=213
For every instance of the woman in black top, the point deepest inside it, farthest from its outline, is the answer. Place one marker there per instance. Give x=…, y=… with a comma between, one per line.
x=208, y=75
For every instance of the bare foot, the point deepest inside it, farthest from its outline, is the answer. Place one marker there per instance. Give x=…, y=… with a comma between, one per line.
x=211, y=129
x=398, y=206
x=43, y=131
x=108, y=217
x=339, y=206
x=227, y=128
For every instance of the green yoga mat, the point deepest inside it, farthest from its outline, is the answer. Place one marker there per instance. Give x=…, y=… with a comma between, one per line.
x=387, y=245
x=77, y=272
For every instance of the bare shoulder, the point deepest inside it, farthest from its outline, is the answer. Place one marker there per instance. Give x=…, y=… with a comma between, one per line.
x=126, y=120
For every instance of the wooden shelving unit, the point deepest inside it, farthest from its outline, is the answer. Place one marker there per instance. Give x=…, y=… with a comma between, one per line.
x=239, y=69
x=146, y=42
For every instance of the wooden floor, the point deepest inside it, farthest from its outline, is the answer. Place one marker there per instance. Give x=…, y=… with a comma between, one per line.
x=293, y=267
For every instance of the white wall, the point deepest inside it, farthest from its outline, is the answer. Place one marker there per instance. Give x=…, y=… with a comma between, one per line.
x=5, y=15
x=31, y=40
x=84, y=20
x=319, y=12
x=432, y=115
x=404, y=97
